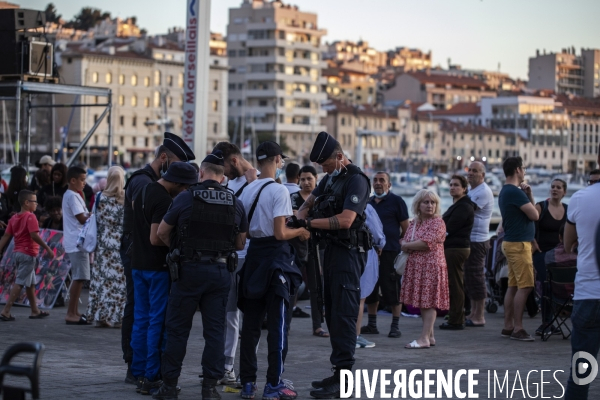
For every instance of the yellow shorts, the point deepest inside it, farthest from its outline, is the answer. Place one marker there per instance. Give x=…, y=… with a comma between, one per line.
x=520, y=264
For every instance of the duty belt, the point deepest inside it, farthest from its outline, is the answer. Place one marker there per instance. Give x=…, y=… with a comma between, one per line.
x=213, y=259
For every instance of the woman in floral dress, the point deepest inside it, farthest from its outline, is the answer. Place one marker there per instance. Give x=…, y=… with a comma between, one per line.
x=107, y=286
x=425, y=280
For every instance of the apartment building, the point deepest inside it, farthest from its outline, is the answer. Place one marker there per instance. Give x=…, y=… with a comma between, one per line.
x=356, y=55
x=350, y=86
x=275, y=81
x=146, y=79
x=406, y=59
x=566, y=72
x=441, y=91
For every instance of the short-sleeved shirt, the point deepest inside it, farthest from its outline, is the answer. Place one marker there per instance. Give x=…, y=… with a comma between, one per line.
x=146, y=256
x=483, y=196
x=391, y=210
x=517, y=226
x=72, y=205
x=357, y=192
x=297, y=200
x=274, y=202
x=181, y=211
x=20, y=226
x=292, y=187
x=582, y=213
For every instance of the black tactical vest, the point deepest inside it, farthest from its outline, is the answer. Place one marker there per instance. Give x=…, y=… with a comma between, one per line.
x=211, y=229
x=127, y=208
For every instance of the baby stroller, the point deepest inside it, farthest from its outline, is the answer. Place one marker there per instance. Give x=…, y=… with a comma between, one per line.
x=496, y=275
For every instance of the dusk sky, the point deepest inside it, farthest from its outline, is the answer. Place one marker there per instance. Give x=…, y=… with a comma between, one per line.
x=477, y=34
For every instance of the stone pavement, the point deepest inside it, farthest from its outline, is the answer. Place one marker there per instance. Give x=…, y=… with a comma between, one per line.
x=84, y=362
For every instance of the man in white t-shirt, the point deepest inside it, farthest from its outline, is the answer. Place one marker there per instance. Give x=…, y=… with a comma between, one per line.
x=474, y=267
x=75, y=213
x=269, y=276
x=240, y=173
x=583, y=220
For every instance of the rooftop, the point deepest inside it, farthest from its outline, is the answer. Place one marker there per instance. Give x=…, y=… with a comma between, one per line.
x=454, y=80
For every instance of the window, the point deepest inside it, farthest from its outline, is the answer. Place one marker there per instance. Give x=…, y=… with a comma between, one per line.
x=180, y=101
x=147, y=102
x=170, y=80
x=122, y=120
x=121, y=100
x=133, y=80
x=231, y=53
x=122, y=140
x=215, y=127
x=216, y=84
x=95, y=118
x=157, y=78
x=146, y=81
x=180, y=80
x=95, y=77
x=121, y=79
x=215, y=105
x=134, y=101
x=231, y=86
x=146, y=142
x=156, y=99
x=108, y=77
x=242, y=53
x=134, y=121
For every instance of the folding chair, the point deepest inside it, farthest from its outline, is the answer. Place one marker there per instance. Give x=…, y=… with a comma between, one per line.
x=32, y=372
x=561, y=285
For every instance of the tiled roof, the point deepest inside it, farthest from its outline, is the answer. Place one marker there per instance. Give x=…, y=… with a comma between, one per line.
x=73, y=50
x=453, y=80
x=336, y=106
x=450, y=126
x=572, y=103
x=457, y=109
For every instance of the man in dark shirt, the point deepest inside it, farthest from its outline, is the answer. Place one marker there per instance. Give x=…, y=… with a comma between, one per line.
x=173, y=149
x=518, y=215
x=150, y=274
x=393, y=213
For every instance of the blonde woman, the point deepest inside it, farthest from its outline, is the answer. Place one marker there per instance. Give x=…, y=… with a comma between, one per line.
x=107, y=286
x=425, y=281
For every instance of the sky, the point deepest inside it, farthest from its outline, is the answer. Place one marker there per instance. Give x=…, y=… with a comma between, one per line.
x=476, y=34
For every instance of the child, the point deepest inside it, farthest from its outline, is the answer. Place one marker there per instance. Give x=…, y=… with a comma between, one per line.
x=53, y=206
x=24, y=227
x=74, y=216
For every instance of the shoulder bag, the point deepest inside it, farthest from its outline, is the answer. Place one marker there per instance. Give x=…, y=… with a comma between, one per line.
x=88, y=237
x=400, y=260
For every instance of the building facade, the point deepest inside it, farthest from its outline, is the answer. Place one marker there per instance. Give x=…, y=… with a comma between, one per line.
x=566, y=72
x=350, y=86
x=275, y=82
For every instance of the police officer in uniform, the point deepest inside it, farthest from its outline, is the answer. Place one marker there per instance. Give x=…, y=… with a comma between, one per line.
x=339, y=203
x=204, y=227
x=173, y=149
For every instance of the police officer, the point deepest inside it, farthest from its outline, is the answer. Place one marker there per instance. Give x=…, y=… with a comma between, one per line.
x=339, y=203
x=205, y=225
x=172, y=149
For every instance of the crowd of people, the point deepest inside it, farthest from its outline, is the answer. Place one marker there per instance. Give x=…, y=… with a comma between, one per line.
x=234, y=243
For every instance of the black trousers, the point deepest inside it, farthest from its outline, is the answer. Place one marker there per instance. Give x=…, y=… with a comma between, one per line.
x=276, y=309
x=127, y=321
x=206, y=285
x=342, y=269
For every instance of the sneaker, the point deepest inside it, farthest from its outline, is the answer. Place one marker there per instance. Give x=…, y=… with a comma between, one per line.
x=283, y=391
x=362, y=343
x=129, y=378
x=522, y=335
x=138, y=384
x=150, y=387
x=238, y=382
x=166, y=392
x=369, y=330
x=544, y=327
x=298, y=313
x=394, y=333
x=506, y=333
x=248, y=390
x=228, y=379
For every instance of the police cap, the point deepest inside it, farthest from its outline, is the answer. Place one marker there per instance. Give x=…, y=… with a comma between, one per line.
x=323, y=148
x=268, y=149
x=181, y=172
x=216, y=157
x=178, y=147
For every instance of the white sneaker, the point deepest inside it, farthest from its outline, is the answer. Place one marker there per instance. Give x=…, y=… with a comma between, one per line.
x=228, y=379
x=361, y=342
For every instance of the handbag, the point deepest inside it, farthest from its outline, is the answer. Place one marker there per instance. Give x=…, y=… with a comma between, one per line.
x=402, y=258
x=88, y=237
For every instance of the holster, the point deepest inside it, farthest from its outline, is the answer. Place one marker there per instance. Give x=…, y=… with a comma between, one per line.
x=232, y=262
x=173, y=263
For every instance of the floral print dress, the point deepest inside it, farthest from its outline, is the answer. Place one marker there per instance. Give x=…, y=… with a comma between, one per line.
x=425, y=280
x=107, y=287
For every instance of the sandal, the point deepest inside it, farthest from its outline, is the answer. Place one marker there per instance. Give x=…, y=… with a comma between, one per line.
x=42, y=314
x=414, y=345
x=6, y=319
x=321, y=333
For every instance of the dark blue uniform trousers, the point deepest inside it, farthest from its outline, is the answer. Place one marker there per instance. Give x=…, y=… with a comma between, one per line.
x=147, y=338
x=342, y=270
x=207, y=285
x=276, y=309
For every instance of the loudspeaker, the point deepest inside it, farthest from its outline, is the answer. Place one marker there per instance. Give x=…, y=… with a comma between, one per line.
x=21, y=19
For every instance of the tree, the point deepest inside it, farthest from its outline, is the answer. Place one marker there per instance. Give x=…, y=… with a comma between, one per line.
x=87, y=18
x=51, y=15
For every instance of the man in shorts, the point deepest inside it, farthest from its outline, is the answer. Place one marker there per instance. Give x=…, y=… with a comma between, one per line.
x=517, y=207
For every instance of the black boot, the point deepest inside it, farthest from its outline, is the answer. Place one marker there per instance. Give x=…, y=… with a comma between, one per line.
x=329, y=387
x=129, y=378
x=209, y=389
x=166, y=392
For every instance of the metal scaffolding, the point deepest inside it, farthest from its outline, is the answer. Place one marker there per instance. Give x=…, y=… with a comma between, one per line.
x=22, y=90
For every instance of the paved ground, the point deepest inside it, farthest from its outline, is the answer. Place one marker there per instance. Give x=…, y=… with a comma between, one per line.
x=83, y=362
